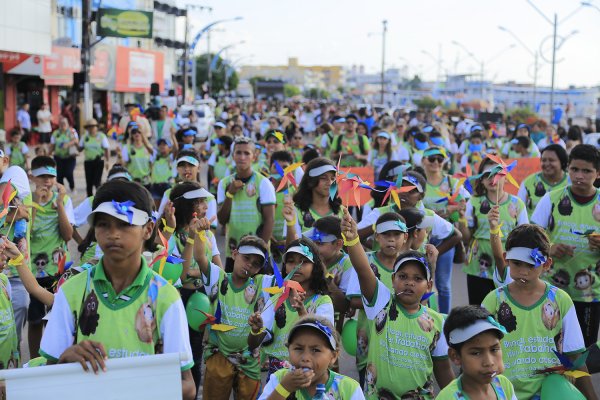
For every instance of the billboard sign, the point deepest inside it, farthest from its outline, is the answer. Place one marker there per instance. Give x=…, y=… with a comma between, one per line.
x=124, y=23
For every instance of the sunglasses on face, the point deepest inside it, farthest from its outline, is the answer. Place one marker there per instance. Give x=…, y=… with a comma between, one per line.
x=433, y=159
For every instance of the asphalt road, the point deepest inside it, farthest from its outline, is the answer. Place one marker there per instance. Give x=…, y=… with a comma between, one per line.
x=347, y=364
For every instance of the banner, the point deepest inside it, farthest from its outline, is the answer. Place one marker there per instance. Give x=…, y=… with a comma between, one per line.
x=146, y=377
x=364, y=195
x=60, y=66
x=124, y=23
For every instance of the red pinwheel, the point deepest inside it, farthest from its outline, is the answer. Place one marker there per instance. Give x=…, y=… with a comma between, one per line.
x=284, y=286
x=392, y=189
x=502, y=169
x=62, y=264
x=215, y=320
x=7, y=195
x=164, y=255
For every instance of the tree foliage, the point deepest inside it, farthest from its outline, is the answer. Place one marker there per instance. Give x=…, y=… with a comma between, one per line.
x=218, y=73
x=291, y=90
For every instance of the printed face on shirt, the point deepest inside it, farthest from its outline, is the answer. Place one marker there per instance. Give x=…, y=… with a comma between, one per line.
x=391, y=242
x=410, y=284
x=118, y=239
x=582, y=174
x=187, y=172
x=309, y=349
x=480, y=357
x=243, y=155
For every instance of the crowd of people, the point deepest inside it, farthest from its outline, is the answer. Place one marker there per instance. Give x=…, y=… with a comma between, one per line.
x=303, y=268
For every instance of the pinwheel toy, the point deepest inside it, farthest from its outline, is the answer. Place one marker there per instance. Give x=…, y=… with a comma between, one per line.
x=452, y=201
x=283, y=287
x=62, y=264
x=164, y=257
x=465, y=177
x=502, y=169
x=7, y=195
x=392, y=189
x=348, y=181
x=287, y=175
x=215, y=320
x=567, y=367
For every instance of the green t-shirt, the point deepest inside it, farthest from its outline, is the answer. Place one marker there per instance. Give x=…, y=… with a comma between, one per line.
x=306, y=219
x=561, y=215
x=143, y=319
x=433, y=193
x=61, y=138
x=480, y=261
x=402, y=348
x=246, y=208
x=502, y=387
x=139, y=163
x=47, y=246
x=348, y=147
x=9, y=345
x=162, y=170
x=338, y=387
x=177, y=243
x=92, y=146
x=236, y=305
x=534, y=187
x=533, y=333
x=16, y=154
x=286, y=317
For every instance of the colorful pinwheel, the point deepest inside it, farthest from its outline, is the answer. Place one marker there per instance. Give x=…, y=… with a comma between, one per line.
x=164, y=255
x=7, y=195
x=502, y=169
x=215, y=320
x=287, y=175
x=465, y=177
x=348, y=181
x=567, y=367
x=283, y=287
x=392, y=189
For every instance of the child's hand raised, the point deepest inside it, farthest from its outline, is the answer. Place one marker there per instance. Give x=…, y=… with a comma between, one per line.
x=494, y=217
x=9, y=248
x=256, y=322
x=297, y=301
x=170, y=215
x=62, y=191
x=289, y=211
x=348, y=226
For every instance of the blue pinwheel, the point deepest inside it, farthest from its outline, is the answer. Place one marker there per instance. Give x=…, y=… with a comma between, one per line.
x=124, y=208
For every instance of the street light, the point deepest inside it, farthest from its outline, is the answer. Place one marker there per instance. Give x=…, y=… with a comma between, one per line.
x=214, y=60
x=438, y=63
x=588, y=4
x=554, y=24
x=192, y=46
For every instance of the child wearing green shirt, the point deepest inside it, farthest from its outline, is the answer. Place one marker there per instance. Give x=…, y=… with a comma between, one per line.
x=474, y=346
x=406, y=342
x=231, y=357
x=220, y=162
x=279, y=161
x=120, y=307
x=301, y=258
x=17, y=151
x=52, y=223
x=313, y=348
x=96, y=152
x=539, y=318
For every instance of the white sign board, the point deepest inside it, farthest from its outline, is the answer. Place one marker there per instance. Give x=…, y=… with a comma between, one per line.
x=147, y=377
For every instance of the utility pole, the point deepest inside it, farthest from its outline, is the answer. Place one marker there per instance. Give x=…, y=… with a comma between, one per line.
x=383, y=61
x=185, y=59
x=85, y=57
x=208, y=59
x=553, y=68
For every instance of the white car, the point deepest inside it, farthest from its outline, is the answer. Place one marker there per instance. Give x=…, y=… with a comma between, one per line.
x=206, y=118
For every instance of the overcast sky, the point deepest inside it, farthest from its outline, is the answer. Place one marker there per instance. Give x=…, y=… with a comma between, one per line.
x=328, y=32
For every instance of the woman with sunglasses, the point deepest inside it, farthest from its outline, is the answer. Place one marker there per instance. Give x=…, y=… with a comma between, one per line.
x=136, y=155
x=439, y=189
x=488, y=194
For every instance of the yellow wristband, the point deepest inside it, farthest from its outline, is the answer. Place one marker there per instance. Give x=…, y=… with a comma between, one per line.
x=497, y=231
x=282, y=391
x=228, y=195
x=292, y=223
x=16, y=261
x=201, y=235
x=189, y=241
x=261, y=330
x=463, y=221
x=167, y=228
x=351, y=243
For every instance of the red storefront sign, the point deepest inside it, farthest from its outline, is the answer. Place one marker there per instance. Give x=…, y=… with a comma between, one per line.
x=60, y=66
x=20, y=63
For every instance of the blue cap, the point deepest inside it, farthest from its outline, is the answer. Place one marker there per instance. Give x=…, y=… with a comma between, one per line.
x=476, y=127
x=189, y=132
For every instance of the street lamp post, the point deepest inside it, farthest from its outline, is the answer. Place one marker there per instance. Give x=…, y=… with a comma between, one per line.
x=554, y=22
x=213, y=62
x=383, y=60
x=207, y=29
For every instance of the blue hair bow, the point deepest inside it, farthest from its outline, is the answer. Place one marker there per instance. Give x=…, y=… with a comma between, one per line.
x=317, y=235
x=537, y=257
x=124, y=208
x=306, y=251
